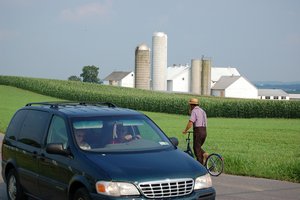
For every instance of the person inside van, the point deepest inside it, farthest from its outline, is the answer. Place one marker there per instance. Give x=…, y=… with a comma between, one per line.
x=124, y=134
x=80, y=138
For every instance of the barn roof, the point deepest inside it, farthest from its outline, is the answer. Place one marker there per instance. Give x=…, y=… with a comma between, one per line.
x=116, y=76
x=224, y=82
x=271, y=92
x=218, y=72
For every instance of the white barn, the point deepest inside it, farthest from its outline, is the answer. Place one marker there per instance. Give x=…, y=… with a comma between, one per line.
x=178, y=78
x=274, y=94
x=235, y=87
x=119, y=78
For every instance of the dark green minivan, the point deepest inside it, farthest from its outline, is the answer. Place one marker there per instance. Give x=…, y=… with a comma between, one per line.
x=61, y=150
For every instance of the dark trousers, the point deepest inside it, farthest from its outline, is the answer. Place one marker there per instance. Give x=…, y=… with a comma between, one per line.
x=199, y=139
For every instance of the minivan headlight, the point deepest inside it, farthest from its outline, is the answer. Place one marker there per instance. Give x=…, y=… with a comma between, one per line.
x=116, y=188
x=203, y=182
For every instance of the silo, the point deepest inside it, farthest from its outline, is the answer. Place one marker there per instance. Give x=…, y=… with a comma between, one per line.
x=142, y=67
x=206, y=77
x=196, y=76
x=159, y=61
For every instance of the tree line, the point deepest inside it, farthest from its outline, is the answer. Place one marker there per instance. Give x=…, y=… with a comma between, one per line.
x=89, y=74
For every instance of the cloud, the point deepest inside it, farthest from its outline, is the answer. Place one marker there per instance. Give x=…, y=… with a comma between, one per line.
x=87, y=11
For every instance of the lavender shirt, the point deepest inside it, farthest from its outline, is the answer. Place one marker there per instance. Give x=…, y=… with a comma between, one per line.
x=198, y=117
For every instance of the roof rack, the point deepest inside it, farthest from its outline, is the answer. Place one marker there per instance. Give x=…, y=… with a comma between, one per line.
x=66, y=103
x=108, y=104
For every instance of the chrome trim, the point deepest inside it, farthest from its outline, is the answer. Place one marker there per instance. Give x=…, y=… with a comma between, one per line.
x=167, y=188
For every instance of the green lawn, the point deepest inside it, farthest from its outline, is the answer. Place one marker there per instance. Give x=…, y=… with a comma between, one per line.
x=267, y=148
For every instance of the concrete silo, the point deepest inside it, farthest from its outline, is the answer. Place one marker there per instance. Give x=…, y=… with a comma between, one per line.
x=159, y=61
x=206, y=77
x=142, y=67
x=196, y=78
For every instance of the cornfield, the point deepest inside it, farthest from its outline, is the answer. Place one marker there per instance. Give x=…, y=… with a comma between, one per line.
x=163, y=102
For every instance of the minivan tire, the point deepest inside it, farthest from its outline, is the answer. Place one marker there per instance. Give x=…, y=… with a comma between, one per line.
x=13, y=187
x=82, y=194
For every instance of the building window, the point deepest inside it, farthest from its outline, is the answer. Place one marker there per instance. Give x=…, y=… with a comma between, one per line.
x=276, y=97
x=183, y=78
x=283, y=97
x=268, y=97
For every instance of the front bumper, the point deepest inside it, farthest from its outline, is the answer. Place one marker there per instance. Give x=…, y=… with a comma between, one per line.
x=204, y=194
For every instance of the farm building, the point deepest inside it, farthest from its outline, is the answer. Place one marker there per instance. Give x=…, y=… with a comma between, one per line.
x=234, y=86
x=225, y=82
x=178, y=78
x=119, y=78
x=274, y=94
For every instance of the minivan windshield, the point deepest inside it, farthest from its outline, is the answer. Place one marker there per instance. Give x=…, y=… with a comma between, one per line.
x=118, y=134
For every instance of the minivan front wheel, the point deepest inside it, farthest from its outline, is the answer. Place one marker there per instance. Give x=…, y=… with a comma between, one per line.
x=13, y=187
x=82, y=194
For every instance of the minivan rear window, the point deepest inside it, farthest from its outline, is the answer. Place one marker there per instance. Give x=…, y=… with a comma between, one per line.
x=15, y=124
x=33, y=128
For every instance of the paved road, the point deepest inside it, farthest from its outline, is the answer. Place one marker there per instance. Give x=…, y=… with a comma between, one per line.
x=230, y=187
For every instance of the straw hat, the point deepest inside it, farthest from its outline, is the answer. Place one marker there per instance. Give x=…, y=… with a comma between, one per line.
x=193, y=101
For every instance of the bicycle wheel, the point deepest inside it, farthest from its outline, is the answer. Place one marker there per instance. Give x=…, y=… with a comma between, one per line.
x=214, y=164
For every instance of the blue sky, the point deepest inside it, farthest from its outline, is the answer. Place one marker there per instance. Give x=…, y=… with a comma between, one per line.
x=55, y=39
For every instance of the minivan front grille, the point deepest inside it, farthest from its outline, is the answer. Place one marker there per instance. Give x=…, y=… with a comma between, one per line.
x=167, y=188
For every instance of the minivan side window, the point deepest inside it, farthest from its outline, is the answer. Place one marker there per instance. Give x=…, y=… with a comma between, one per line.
x=16, y=124
x=57, y=131
x=33, y=128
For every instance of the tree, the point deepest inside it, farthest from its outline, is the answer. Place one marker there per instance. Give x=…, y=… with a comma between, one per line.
x=74, y=78
x=90, y=74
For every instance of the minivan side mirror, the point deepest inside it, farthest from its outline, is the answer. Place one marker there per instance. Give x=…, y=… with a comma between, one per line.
x=174, y=141
x=57, y=148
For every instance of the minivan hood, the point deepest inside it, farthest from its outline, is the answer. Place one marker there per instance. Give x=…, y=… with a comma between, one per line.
x=146, y=166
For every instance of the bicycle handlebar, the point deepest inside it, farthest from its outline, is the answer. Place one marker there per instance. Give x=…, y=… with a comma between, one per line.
x=189, y=132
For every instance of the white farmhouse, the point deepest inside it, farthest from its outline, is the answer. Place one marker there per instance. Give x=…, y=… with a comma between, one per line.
x=235, y=87
x=119, y=78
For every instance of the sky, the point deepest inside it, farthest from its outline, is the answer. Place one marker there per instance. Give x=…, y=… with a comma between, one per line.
x=56, y=39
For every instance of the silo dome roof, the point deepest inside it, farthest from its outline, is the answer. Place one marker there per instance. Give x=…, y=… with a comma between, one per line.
x=159, y=34
x=143, y=46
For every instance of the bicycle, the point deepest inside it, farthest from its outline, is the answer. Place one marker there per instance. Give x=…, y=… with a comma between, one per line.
x=214, y=162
